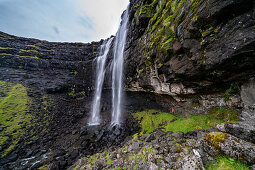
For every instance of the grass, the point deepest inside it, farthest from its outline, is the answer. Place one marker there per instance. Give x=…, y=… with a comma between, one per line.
x=44, y=167
x=71, y=94
x=28, y=51
x=5, y=54
x=153, y=119
x=109, y=161
x=150, y=121
x=14, y=103
x=5, y=48
x=224, y=163
x=28, y=57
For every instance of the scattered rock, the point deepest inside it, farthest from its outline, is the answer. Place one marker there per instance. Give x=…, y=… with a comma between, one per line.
x=74, y=154
x=149, y=138
x=215, y=143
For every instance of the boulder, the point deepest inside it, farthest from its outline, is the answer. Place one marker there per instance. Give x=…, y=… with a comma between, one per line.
x=216, y=143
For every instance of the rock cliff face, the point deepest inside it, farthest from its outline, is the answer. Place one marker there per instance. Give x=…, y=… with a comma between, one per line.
x=193, y=56
x=50, y=67
x=44, y=92
x=189, y=47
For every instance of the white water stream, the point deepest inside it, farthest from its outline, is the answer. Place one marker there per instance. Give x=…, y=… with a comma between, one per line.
x=117, y=69
x=100, y=68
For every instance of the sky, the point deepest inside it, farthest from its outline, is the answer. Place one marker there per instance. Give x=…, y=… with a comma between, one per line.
x=62, y=20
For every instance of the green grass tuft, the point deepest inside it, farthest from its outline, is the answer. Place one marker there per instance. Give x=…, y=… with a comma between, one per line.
x=224, y=163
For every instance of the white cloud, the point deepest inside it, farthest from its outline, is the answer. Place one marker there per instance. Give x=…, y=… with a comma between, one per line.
x=62, y=20
x=105, y=14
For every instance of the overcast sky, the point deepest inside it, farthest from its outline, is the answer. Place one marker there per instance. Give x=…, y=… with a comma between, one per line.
x=62, y=20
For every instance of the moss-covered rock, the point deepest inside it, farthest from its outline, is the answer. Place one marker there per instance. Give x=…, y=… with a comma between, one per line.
x=218, y=143
x=14, y=116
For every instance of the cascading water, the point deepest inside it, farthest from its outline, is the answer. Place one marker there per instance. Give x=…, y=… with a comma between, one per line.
x=117, y=69
x=100, y=68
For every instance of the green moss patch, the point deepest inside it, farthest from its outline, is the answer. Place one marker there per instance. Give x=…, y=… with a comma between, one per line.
x=14, y=105
x=28, y=57
x=215, y=138
x=153, y=119
x=224, y=163
x=28, y=51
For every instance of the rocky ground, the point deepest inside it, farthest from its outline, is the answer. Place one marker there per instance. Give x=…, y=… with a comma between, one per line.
x=168, y=150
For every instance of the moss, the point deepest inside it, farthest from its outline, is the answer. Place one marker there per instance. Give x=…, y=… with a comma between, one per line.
x=14, y=106
x=76, y=167
x=141, y=71
x=109, y=161
x=92, y=159
x=225, y=163
x=28, y=57
x=136, y=166
x=215, y=138
x=166, y=42
x=44, y=167
x=20, y=73
x=189, y=124
x=233, y=89
x=162, y=28
x=5, y=48
x=152, y=119
x=74, y=73
x=71, y=94
x=33, y=46
x=5, y=54
x=80, y=98
x=28, y=51
x=137, y=6
x=146, y=9
x=82, y=93
x=225, y=114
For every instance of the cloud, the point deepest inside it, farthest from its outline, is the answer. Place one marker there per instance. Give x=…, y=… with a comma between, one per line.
x=61, y=20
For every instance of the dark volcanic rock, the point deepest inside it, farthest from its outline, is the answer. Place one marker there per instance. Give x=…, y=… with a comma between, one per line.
x=211, y=43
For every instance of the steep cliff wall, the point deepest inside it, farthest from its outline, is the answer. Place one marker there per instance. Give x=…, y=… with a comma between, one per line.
x=189, y=47
x=44, y=89
x=49, y=67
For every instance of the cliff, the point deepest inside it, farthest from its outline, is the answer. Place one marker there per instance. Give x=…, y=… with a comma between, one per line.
x=189, y=47
x=193, y=57
x=58, y=63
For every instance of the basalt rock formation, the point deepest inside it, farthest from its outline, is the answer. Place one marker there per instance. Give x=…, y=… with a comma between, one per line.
x=58, y=63
x=193, y=56
x=189, y=47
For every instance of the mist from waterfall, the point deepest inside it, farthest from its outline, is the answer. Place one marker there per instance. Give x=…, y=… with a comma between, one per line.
x=117, y=69
x=100, y=74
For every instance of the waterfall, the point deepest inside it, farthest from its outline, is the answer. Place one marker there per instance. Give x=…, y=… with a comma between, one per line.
x=117, y=69
x=100, y=73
